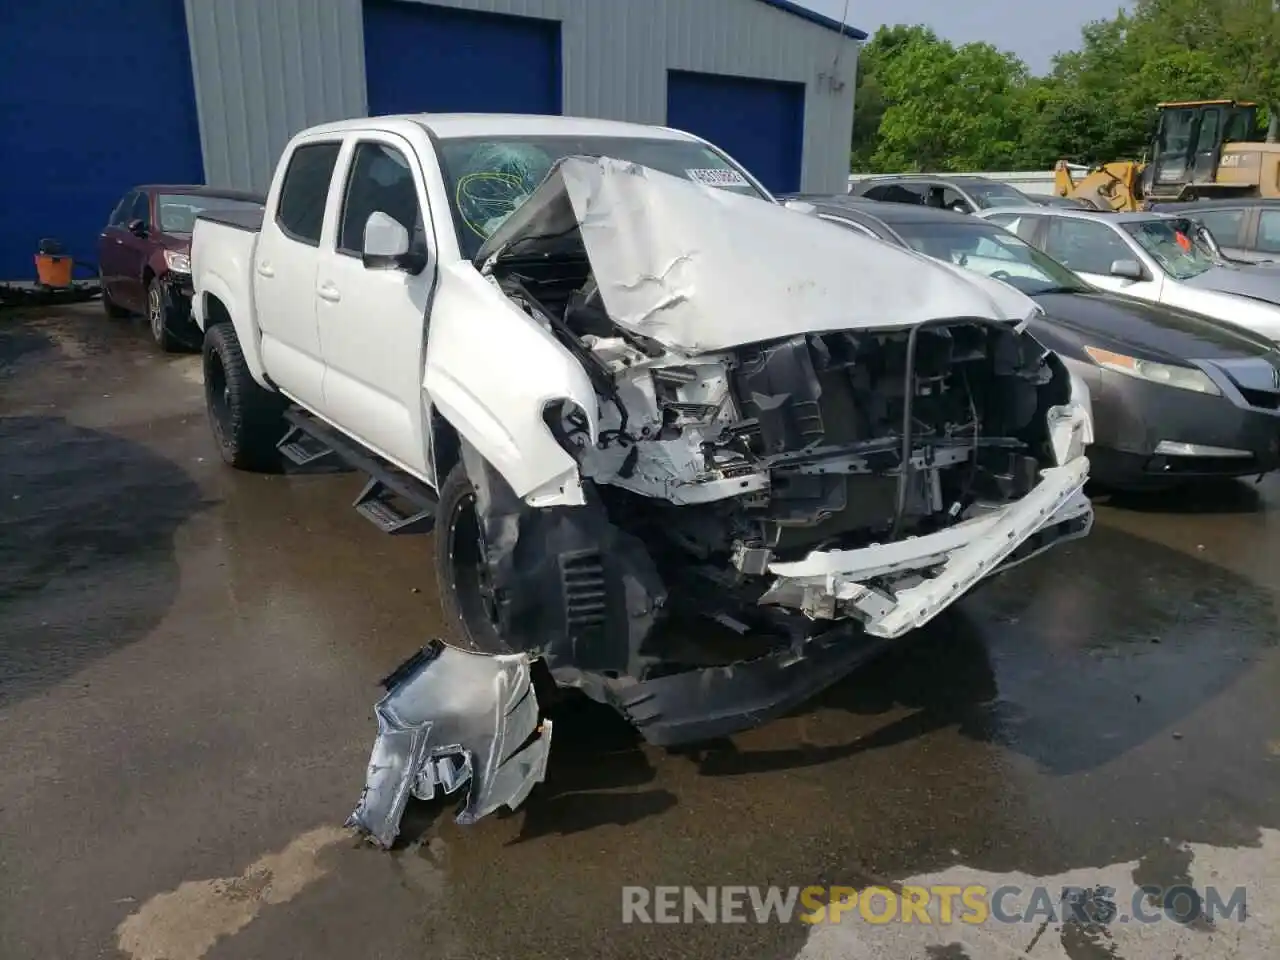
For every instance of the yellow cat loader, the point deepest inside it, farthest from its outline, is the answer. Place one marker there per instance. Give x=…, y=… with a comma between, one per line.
x=1200, y=150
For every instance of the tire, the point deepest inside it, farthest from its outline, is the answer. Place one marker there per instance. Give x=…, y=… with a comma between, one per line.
x=158, y=319
x=247, y=420
x=459, y=574
x=109, y=306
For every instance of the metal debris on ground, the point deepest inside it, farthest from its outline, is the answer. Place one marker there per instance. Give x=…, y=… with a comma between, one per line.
x=451, y=719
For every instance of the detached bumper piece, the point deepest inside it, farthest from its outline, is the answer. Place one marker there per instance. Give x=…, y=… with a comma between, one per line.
x=828, y=585
x=452, y=719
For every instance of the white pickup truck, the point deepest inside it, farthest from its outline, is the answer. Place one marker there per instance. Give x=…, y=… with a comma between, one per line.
x=682, y=448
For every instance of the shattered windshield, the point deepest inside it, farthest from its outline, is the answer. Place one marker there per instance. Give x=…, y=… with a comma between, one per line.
x=489, y=177
x=1173, y=245
x=992, y=252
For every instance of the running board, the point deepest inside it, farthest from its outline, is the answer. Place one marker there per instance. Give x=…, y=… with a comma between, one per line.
x=302, y=449
x=382, y=507
x=393, y=501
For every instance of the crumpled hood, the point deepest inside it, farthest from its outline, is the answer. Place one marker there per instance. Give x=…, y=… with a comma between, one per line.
x=699, y=269
x=1257, y=282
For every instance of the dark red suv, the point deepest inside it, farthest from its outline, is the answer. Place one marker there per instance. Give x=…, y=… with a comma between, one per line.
x=144, y=255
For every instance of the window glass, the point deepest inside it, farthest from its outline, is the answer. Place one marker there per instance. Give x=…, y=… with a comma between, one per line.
x=1224, y=225
x=987, y=249
x=1269, y=231
x=1021, y=224
x=849, y=224
x=1085, y=246
x=1209, y=126
x=488, y=178
x=897, y=193
x=305, y=189
x=380, y=181
x=994, y=194
x=1171, y=243
x=141, y=209
x=120, y=215
x=953, y=199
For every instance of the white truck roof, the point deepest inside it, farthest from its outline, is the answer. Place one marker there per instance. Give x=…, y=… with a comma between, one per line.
x=451, y=125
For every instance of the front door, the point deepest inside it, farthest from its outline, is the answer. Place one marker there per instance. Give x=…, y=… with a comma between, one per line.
x=1090, y=248
x=284, y=272
x=1208, y=149
x=371, y=319
x=111, y=247
x=133, y=251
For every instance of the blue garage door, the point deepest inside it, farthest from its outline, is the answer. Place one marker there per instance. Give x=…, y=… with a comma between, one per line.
x=95, y=96
x=421, y=58
x=760, y=123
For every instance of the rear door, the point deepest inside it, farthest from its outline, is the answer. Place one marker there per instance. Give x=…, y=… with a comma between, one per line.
x=371, y=318
x=285, y=265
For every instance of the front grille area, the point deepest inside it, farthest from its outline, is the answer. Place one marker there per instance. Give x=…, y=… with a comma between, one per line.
x=1263, y=399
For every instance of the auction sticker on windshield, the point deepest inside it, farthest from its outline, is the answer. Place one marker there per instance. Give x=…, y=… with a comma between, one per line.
x=717, y=178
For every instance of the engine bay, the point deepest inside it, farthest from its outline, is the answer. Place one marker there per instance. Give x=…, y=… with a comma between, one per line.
x=775, y=449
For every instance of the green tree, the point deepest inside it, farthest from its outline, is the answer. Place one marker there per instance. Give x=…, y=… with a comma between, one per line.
x=1241, y=38
x=923, y=103
x=1098, y=103
x=930, y=105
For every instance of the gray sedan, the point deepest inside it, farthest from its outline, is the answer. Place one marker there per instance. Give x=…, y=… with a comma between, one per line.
x=1151, y=256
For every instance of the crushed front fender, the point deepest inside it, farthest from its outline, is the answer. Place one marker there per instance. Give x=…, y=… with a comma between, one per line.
x=452, y=719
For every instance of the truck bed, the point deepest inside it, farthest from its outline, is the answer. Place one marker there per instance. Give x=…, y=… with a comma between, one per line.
x=245, y=219
x=222, y=248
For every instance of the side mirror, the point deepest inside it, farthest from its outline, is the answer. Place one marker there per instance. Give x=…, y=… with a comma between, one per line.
x=137, y=228
x=1128, y=270
x=801, y=206
x=386, y=242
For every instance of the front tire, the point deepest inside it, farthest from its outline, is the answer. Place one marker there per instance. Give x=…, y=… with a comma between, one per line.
x=247, y=420
x=158, y=319
x=466, y=595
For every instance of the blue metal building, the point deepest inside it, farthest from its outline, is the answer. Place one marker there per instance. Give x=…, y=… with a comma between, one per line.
x=117, y=92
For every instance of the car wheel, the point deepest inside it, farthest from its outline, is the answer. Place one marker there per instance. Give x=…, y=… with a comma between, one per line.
x=158, y=319
x=109, y=306
x=465, y=590
x=247, y=420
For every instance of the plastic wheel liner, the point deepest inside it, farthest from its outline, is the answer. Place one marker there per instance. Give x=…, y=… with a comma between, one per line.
x=453, y=719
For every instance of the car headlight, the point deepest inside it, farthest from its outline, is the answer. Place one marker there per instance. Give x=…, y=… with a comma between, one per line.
x=1184, y=378
x=177, y=262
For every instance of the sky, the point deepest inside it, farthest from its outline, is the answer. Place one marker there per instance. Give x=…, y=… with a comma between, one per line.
x=1033, y=29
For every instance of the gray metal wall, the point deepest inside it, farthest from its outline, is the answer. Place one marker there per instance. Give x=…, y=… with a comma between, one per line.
x=256, y=85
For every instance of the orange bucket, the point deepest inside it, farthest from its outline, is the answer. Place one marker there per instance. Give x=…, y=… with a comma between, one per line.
x=53, y=270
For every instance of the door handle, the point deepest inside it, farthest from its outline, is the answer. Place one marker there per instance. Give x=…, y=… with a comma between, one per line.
x=265, y=269
x=327, y=291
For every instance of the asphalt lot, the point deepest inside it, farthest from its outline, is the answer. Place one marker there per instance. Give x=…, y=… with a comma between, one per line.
x=189, y=660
